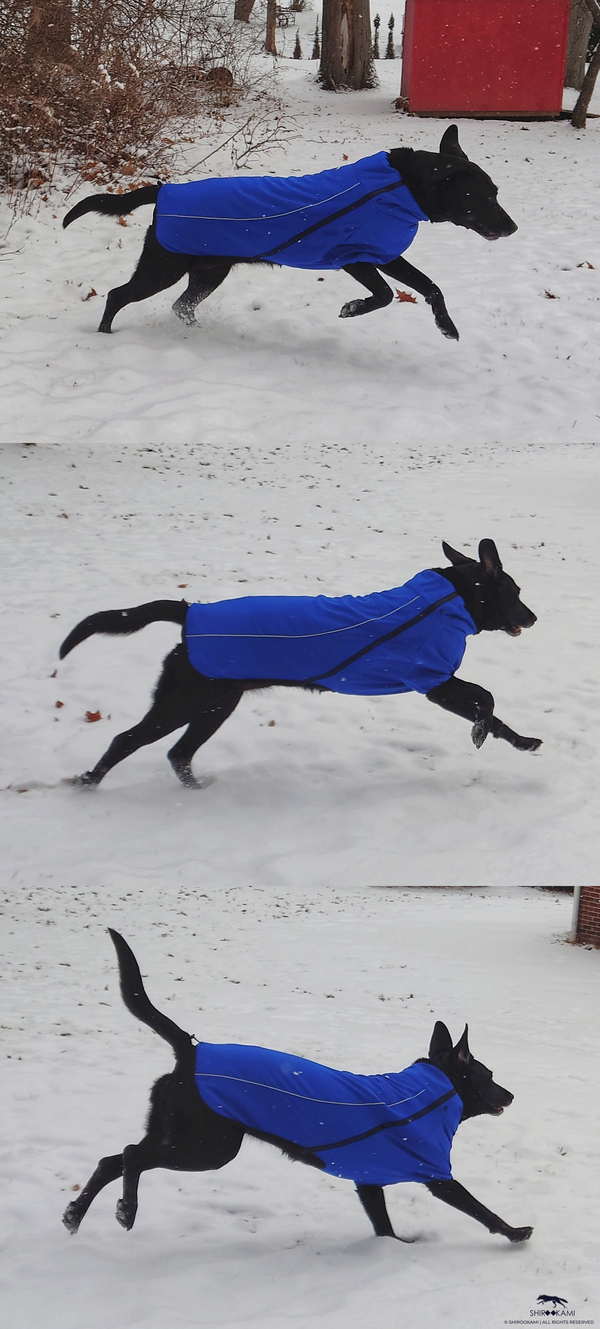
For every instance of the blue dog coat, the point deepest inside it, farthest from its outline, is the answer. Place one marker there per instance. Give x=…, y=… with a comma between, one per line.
x=408, y=639
x=361, y=213
x=377, y=1129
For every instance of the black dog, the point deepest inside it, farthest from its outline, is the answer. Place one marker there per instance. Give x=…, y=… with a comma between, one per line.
x=184, y=1134
x=183, y=696
x=446, y=186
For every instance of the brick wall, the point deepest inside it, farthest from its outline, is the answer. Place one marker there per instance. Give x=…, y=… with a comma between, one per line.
x=588, y=921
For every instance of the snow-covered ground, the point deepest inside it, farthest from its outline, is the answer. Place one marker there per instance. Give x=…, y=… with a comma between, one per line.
x=350, y=977
x=163, y=462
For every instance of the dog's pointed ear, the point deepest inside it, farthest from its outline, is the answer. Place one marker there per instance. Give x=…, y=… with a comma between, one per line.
x=462, y=1049
x=441, y=1040
x=449, y=144
x=453, y=555
x=489, y=558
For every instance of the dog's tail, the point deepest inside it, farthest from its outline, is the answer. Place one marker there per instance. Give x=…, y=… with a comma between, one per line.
x=138, y=1002
x=113, y=205
x=122, y=622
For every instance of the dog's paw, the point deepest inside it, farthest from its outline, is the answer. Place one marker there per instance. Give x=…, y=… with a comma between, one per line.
x=85, y=781
x=203, y=783
x=479, y=732
x=442, y=318
x=517, y=1234
x=72, y=1218
x=125, y=1215
x=352, y=308
x=186, y=775
x=527, y=744
x=185, y=312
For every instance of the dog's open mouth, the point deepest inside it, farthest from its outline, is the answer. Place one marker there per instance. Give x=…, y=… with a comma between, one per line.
x=497, y=1112
x=513, y=631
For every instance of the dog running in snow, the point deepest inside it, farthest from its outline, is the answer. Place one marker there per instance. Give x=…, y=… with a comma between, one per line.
x=360, y=217
x=375, y=1130
x=409, y=639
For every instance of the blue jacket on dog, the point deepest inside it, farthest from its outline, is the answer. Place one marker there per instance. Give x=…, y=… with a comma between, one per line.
x=409, y=639
x=361, y=213
x=371, y=1129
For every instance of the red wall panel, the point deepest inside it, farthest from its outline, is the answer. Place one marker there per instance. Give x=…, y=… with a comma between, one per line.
x=484, y=57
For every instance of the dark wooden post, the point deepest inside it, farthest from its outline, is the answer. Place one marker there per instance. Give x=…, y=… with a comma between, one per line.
x=270, y=45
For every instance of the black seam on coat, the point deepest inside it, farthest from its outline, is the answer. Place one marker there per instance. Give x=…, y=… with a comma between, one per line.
x=383, y=1126
x=325, y=221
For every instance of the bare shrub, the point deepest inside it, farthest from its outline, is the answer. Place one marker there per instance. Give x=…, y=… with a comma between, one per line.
x=96, y=84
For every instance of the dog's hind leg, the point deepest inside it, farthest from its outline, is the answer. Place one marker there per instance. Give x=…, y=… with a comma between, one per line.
x=368, y=276
x=205, y=276
x=157, y=269
x=372, y=1199
x=182, y=697
x=137, y=1158
x=400, y=270
x=107, y=1170
x=174, y=704
x=200, y=730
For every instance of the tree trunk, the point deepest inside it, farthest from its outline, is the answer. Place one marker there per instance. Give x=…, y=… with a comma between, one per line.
x=580, y=26
x=346, y=59
x=585, y=96
x=270, y=45
x=243, y=10
x=49, y=32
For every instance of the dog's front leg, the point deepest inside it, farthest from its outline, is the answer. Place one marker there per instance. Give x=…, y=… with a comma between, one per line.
x=400, y=270
x=368, y=276
x=451, y=1192
x=469, y=701
x=373, y=1202
x=500, y=730
x=475, y=704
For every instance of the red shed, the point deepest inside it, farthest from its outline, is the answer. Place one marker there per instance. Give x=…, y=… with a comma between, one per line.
x=485, y=57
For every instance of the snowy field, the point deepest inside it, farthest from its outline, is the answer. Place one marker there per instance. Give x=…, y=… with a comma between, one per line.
x=168, y=462
x=350, y=977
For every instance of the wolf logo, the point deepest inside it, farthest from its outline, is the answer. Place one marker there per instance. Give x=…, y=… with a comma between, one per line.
x=556, y=1301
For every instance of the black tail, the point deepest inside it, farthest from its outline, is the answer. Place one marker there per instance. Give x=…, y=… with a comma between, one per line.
x=138, y=1002
x=113, y=205
x=122, y=622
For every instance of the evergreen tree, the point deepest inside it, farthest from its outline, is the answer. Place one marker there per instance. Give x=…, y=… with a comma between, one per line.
x=297, y=47
x=390, y=52
x=316, y=50
x=375, y=47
